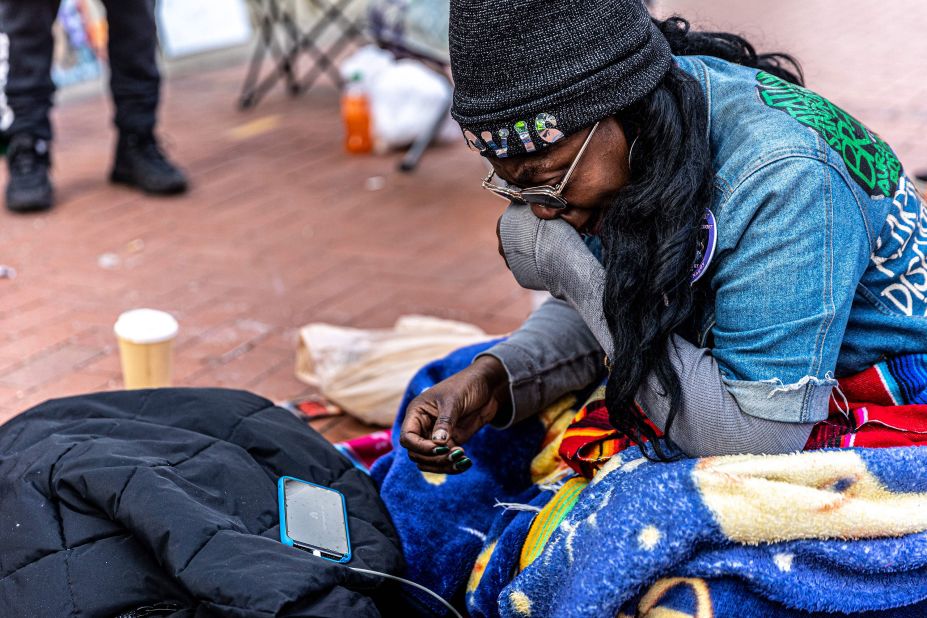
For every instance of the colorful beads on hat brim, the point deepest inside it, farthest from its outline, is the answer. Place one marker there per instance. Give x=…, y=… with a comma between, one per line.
x=542, y=132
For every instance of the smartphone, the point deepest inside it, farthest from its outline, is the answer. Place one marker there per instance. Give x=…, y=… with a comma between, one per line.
x=313, y=518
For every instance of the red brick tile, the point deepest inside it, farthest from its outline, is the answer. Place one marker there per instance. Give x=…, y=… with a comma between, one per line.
x=8, y=409
x=16, y=297
x=224, y=342
x=53, y=366
x=107, y=362
x=240, y=368
x=34, y=318
x=281, y=384
x=347, y=427
x=40, y=340
x=212, y=315
x=77, y=383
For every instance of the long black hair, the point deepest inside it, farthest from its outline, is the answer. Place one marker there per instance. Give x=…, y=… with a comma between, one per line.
x=650, y=234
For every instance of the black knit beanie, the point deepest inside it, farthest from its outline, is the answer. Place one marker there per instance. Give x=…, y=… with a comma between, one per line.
x=530, y=72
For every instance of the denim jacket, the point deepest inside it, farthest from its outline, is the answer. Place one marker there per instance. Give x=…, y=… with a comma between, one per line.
x=820, y=267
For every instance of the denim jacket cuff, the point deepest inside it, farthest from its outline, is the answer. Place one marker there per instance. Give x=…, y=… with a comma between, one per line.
x=806, y=401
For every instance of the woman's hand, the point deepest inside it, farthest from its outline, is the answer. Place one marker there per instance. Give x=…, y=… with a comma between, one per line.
x=440, y=420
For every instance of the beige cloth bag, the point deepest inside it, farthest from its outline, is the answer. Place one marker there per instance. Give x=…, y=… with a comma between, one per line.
x=366, y=371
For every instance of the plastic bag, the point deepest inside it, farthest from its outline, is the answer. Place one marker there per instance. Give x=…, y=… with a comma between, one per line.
x=366, y=63
x=366, y=371
x=406, y=99
x=405, y=96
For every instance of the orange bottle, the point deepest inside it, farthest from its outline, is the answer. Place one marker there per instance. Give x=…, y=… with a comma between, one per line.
x=355, y=111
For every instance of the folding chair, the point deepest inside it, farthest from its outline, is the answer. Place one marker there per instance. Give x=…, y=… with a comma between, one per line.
x=281, y=38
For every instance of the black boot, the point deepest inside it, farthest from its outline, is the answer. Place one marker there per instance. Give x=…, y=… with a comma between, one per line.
x=141, y=163
x=29, y=188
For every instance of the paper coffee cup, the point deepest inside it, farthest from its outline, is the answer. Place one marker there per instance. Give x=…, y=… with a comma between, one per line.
x=146, y=340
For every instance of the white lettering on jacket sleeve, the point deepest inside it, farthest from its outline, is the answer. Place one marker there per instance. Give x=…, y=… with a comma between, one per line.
x=901, y=253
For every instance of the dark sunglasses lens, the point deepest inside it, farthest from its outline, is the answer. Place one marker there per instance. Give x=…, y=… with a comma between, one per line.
x=546, y=201
x=505, y=193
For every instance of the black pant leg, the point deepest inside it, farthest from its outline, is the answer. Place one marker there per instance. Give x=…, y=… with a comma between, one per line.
x=134, y=78
x=26, y=36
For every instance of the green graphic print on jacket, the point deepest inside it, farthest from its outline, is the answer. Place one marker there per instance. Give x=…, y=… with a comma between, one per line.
x=871, y=162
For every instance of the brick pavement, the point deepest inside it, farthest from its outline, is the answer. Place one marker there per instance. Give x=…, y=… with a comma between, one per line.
x=280, y=229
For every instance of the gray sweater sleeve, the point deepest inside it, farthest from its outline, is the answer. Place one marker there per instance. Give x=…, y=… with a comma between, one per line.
x=709, y=421
x=552, y=354
x=550, y=255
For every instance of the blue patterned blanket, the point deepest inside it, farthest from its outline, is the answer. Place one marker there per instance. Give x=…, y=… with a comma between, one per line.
x=823, y=533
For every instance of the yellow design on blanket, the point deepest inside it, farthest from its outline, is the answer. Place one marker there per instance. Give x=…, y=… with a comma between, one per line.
x=479, y=567
x=810, y=495
x=649, y=605
x=547, y=467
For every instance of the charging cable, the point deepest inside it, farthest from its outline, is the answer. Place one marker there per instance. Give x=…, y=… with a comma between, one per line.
x=406, y=581
x=318, y=554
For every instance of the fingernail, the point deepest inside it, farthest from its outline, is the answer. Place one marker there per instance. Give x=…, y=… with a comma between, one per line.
x=440, y=450
x=456, y=454
x=463, y=464
x=439, y=436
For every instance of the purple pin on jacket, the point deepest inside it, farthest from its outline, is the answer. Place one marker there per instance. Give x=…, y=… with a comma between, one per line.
x=708, y=242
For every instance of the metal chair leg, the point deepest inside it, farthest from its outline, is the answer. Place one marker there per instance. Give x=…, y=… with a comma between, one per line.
x=269, y=45
x=415, y=153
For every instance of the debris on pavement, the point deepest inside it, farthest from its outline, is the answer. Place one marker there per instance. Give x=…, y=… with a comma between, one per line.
x=375, y=183
x=109, y=261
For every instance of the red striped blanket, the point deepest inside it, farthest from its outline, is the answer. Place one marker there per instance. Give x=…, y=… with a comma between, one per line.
x=885, y=405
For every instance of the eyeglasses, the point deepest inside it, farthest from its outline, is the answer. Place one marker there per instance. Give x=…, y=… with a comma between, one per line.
x=545, y=195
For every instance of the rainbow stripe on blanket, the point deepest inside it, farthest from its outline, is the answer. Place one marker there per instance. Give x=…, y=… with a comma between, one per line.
x=885, y=405
x=549, y=518
x=590, y=440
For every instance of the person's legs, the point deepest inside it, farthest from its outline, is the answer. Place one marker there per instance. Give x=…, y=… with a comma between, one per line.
x=135, y=83
x=134, y=78
x=26, y=36
x=26, y=91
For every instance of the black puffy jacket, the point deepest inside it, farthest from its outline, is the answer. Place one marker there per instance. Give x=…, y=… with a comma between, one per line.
x=117, y=501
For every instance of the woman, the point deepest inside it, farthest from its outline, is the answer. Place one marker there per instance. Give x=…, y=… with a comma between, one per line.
x=755, y=240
